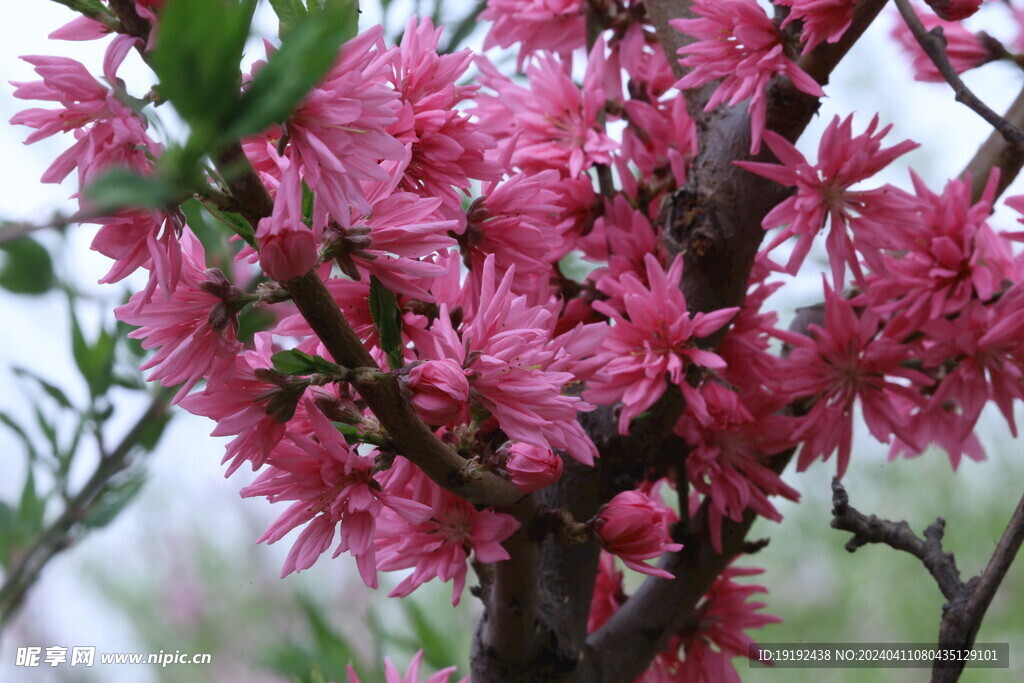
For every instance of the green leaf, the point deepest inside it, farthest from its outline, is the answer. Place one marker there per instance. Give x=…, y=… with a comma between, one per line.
x=307, y=204
x=308, y=50
x=31, y=508
x=197, y=60
x=120, y=188
x=289, y=13
x=95, y=361
x=113, y=500
x=29, y=444
x=388, y=319
x=93, y=9
x=27, y=267
x=55, y=392
x=438, y=650
x=8, y=533
x=237, y=223
x=295, y=362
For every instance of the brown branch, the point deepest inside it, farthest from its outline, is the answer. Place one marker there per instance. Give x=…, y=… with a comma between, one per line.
x=996, y=152
x=131, y=23
x=967, y=601
x=962, y=618
x=898, y=535
x=414, y=439
x=60, y=534
x=934, y=45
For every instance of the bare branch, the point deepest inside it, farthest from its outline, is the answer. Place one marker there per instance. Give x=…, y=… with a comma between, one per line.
x=996, y=152
x=967, y=602
x=60, y=534
x=962, y=618
x=934, y=45
x=900, y=536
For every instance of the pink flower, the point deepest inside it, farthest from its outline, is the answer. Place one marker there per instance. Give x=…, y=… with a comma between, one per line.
x=192, y=327
x=609, y=594
x=552, y=25
x=963, y=48
x=447, y=147
x=839, y=363
x=141, y=239
x=438, y=547
x=728, y=460
x=517, y=369
x=948, y=256
x=708, y=649
x=337, y=134
x=288, y=249
x=391, y=674
x=532, y=468
x=107, y=133
x=332, y=486
x=739, y=44
x=655, y=336
x=635, y=528
x=553, y=124
x=440, y=391
x=823, y=196
x=954, y=10
x=644, y=62
x=660, y=138
x=823, y=20
x=514, y=222
x=246, y=405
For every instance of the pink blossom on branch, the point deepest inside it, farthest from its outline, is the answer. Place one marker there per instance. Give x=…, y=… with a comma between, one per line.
x=845, y=361
x=740, y=45
x=439, y=546
x=446, y=146
x=333, y=487
x=705, y=653
x=635, y=528
x=554, y=123
x=530, y=467
x=655, y=335
x=964, y=49
x=823, y=20
x=554, y=25
x=823, y=196
x=193, y=328
x=337, y=134
x=391, y=674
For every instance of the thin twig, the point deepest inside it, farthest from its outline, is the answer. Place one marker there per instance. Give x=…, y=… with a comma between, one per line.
x=898, y=535
x=60, y=534
x=934, y=45
x=996, y=152
x=967, y=601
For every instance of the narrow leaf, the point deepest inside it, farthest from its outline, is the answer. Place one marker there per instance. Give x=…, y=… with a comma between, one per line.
x=388, y=319
x=293, y=362
x=120, y=188
x=307, y=52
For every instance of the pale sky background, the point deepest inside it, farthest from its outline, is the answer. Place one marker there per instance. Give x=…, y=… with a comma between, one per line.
x=187, y=490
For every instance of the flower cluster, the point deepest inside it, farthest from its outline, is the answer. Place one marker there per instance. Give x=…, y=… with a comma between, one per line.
x=481, y=270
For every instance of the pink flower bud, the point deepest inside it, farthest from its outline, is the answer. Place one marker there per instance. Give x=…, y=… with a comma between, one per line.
x=532, y=467
x=286, y=253
x=635, y=528
x=954, y=10
x=440, y=391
